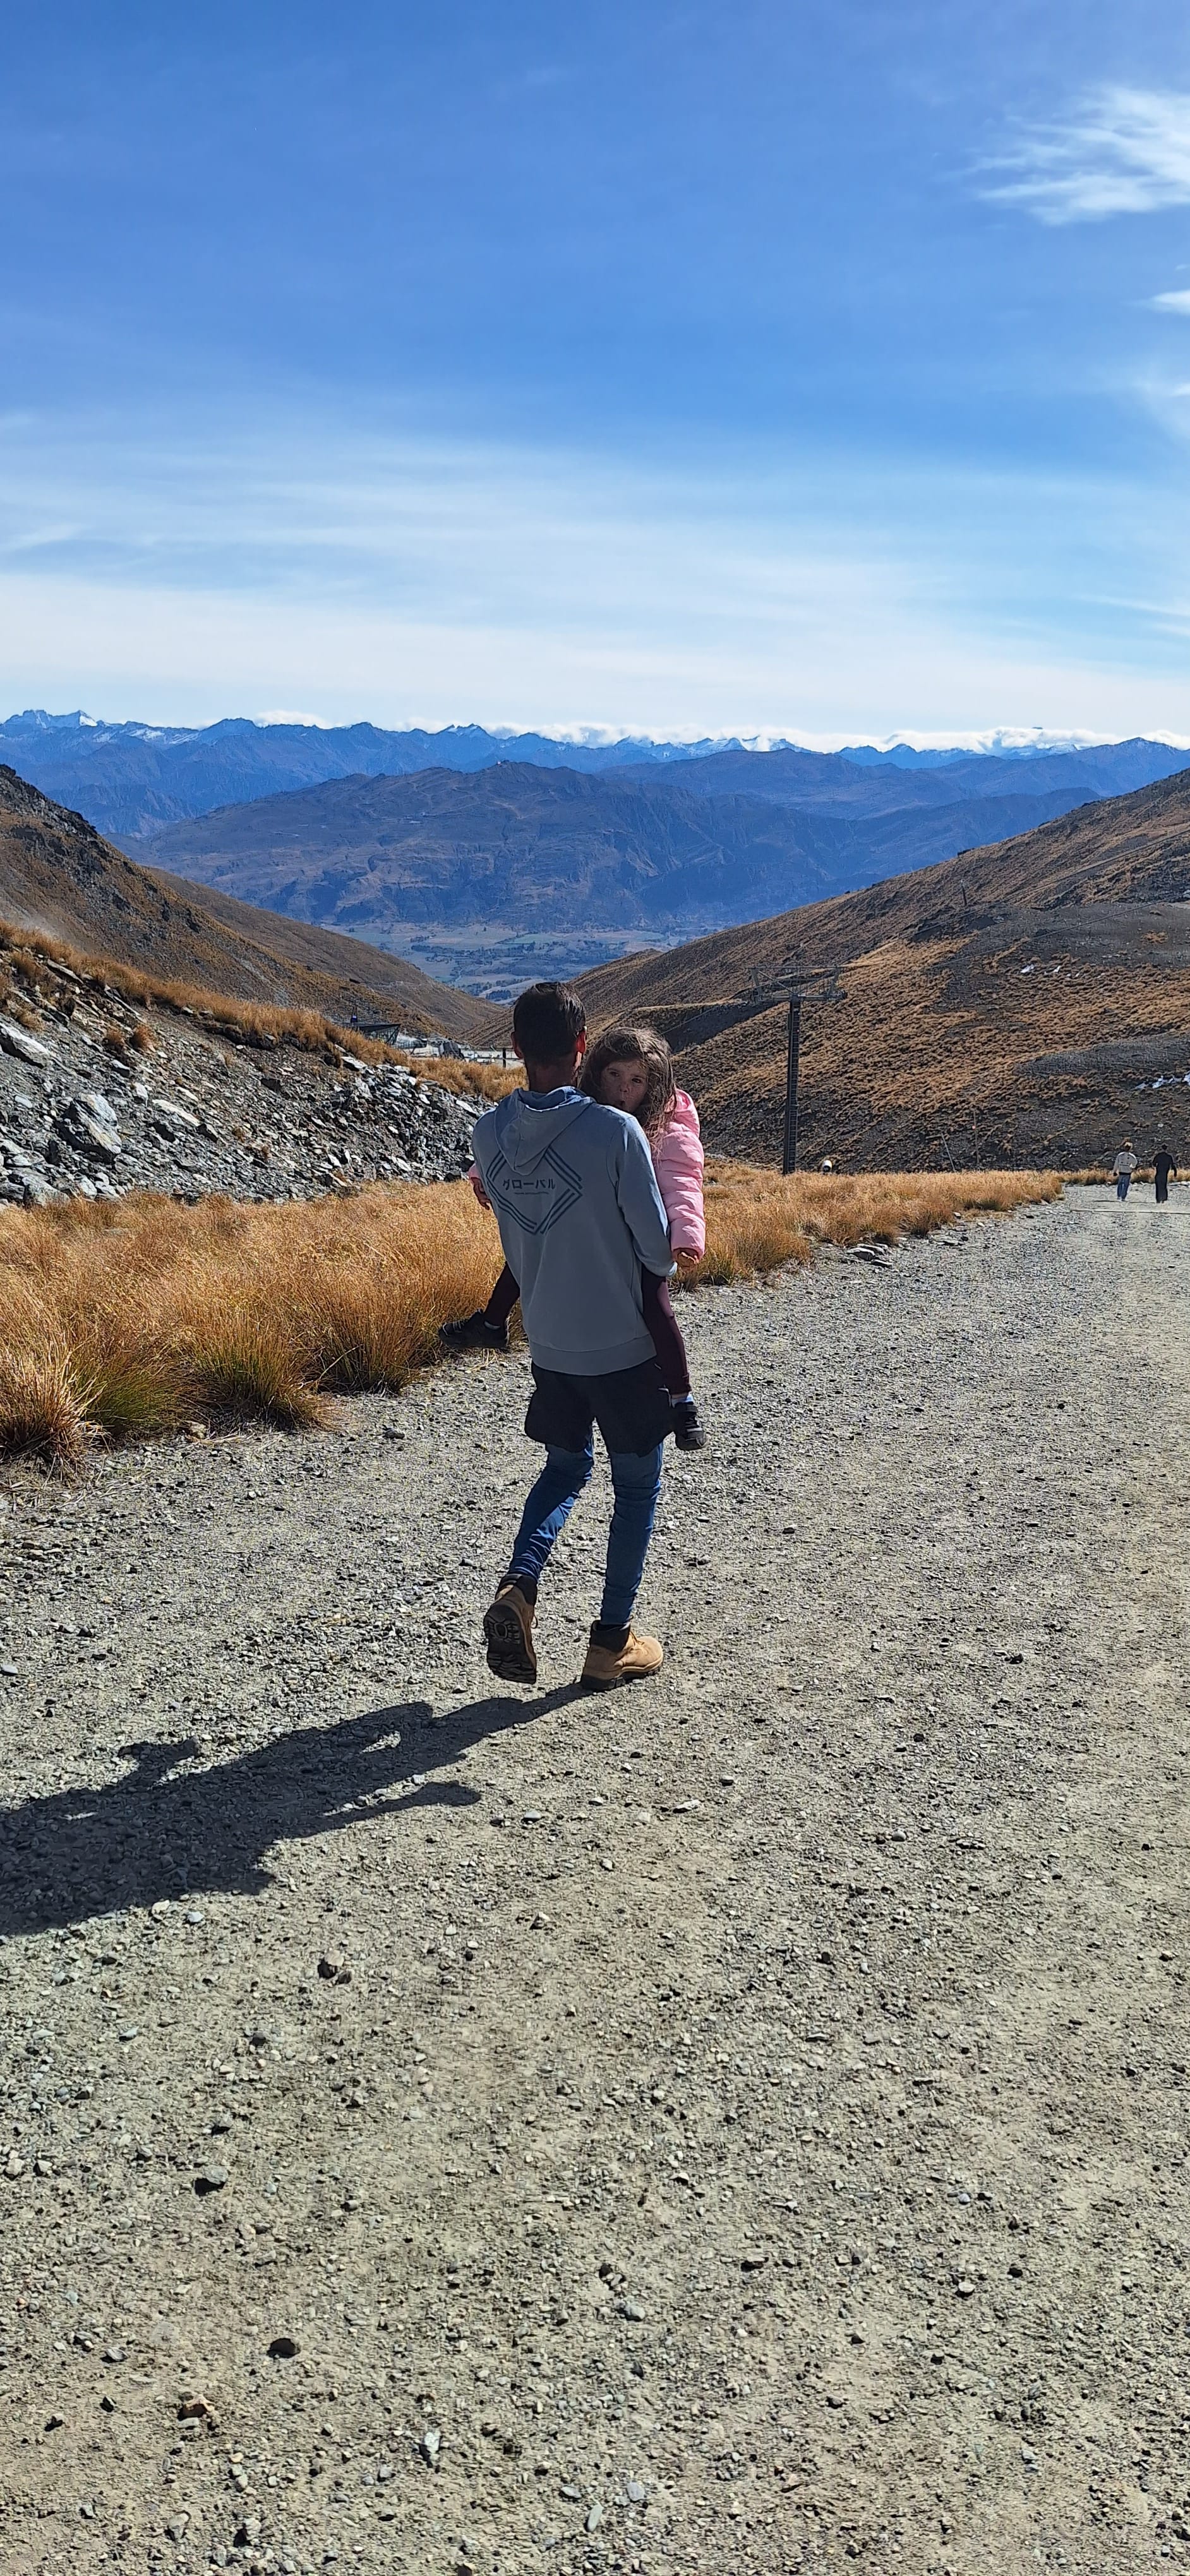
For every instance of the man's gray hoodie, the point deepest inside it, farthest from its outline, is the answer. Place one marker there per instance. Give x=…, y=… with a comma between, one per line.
x=579, y=1212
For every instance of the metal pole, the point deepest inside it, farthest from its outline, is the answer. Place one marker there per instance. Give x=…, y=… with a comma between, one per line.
x=789, y=1156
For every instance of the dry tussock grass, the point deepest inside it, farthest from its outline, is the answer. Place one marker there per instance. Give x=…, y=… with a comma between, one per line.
x=41, y=1414
x=32, y=952
x=756, y=1220
x=452, y=1073
x=26, y=1017
x=123, y=1319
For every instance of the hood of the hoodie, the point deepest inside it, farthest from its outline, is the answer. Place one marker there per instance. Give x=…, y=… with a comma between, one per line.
x=529, y=1122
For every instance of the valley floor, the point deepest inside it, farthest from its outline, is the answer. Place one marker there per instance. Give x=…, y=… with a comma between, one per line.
x=738, y=2126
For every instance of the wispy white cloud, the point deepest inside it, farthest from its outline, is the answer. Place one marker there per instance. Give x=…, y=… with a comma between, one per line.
x=861, y=673
x=314, y=566
x=1121, y=152
x=1176, y=301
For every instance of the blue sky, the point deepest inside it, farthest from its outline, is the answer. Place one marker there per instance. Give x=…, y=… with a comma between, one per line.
x=821, y=370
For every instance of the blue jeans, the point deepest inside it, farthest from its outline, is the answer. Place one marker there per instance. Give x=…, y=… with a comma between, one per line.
x=1122, y=1180
x=637, y=1482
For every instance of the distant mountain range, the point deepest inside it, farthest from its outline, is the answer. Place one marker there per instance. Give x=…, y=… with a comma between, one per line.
x=130, y=779
x=884, y=783
x=515, y=847
x=489, y=875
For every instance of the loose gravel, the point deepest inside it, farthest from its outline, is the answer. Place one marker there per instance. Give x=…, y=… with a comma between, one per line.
x=733, y=2125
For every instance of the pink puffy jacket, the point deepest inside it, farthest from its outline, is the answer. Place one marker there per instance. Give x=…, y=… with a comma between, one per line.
x=678, y=1163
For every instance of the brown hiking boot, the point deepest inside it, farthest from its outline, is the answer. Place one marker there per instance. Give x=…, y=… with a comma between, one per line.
x=508, y=1628
x=631, y=1662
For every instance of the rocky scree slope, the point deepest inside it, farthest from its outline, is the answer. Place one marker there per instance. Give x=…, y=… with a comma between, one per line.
x=88, y=1110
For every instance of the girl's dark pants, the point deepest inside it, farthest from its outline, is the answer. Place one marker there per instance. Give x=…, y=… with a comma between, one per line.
x=662, y=1323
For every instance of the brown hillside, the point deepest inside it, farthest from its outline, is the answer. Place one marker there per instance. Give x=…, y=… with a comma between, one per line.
x=58, y=876
x=1007, y=1005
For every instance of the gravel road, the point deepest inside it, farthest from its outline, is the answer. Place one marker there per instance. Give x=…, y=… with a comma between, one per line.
x=737, y=2125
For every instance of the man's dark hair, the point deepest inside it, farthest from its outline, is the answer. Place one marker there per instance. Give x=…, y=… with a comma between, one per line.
x=546, y=1023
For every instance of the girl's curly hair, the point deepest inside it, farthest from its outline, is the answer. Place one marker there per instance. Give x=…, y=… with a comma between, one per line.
x=634, y=1046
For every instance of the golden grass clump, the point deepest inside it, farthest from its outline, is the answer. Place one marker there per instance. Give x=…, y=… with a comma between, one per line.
x=123, y=1318
x=42, y=1414
x=129, y=1384
x=756, y=1220
x=453, y=1073
x=241, y=1365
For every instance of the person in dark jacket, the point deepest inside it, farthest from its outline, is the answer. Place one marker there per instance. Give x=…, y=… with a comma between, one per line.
x=1165, y=1170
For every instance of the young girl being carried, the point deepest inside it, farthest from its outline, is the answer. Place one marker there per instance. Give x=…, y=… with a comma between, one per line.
x=632, y=1069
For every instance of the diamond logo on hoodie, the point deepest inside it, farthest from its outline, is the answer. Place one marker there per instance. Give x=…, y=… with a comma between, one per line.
x=539, y=1198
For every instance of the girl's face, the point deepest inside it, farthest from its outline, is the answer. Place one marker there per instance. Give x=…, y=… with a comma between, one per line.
x=623, y=1084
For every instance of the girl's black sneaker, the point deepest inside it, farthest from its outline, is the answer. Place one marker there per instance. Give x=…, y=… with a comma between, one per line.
x=688, y=1430
x=474, y=1334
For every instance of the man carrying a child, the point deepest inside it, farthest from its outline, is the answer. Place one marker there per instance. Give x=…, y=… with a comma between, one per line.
x=588, y=1246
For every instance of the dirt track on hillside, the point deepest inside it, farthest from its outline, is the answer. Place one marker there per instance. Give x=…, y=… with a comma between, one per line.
x=738, y=2125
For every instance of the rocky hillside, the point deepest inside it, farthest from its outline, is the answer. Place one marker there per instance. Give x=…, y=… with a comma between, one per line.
x=58, y=875
x=1026, y=1002
x=517, y=849
x=98, y=1097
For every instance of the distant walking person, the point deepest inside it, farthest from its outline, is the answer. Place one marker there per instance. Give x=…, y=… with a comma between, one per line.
x=580, y=1216
x=1165, y=1170
x=1124, y=1167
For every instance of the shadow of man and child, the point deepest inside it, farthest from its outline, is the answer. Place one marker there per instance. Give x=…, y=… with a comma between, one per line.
x=163, y=1830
